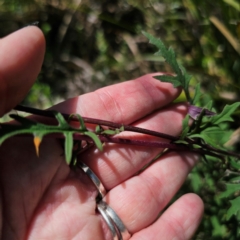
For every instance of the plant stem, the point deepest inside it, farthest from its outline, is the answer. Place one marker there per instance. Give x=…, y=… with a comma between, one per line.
x=49, y=113
x=205, y=149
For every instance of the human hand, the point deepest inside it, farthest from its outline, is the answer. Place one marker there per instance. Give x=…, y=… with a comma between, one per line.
x=42, y=198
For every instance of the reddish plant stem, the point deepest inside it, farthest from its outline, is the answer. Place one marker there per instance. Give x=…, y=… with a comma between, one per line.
x=158, y=144
x=47, y=113
x=205, y=148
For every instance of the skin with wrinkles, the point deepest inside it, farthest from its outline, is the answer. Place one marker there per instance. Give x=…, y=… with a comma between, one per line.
x=41, y=198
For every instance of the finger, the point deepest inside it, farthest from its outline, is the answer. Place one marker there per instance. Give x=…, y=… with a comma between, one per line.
x=179, y=221
x=139, y=200
x=119, y=162
x=21, y=58
x=124, y=102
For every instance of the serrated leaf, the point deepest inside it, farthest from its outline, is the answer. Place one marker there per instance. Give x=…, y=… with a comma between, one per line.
x=182, y=79
x=68, y=147
x=234, y=209
x=231, y=188
x=95, y=138
x=225, y=115
x=168, y=54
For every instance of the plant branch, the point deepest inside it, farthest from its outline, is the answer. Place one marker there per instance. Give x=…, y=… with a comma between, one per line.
x=49, y=113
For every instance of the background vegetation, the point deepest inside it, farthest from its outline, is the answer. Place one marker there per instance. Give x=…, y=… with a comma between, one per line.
x=91, y=44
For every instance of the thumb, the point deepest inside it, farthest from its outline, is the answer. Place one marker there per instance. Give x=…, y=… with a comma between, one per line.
x=21, y=57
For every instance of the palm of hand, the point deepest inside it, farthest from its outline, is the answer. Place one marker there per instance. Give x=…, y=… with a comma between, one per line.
x=41, y=198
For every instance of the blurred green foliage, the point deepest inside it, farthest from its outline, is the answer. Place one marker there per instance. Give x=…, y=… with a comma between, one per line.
x=91, y=44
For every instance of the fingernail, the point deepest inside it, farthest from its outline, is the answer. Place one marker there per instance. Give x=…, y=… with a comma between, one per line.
x=32, y=24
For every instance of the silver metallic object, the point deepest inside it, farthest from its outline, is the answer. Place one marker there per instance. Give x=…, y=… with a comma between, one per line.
x=115, y=224
x=101, y=189
x=108, y=221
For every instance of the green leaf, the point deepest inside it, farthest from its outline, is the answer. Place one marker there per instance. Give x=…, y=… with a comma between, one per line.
x=95, y=138
x=181, y=142
x=231, y=188
x=235, y=164
x=218, y=228
x=121, y=129
x=197, y=94
x=182, y=79
x=209, y=105
x=61, y=120
x=109, y=132
x=212, y=135
x=225, y=115
x=185, y=77
x=168, y=54
x=39, y=130
x=68, y=146
x=174, y=80
x=185, y=126
x=234, y=209
x=27, y=126
x=98, y=129
x=81, y=121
